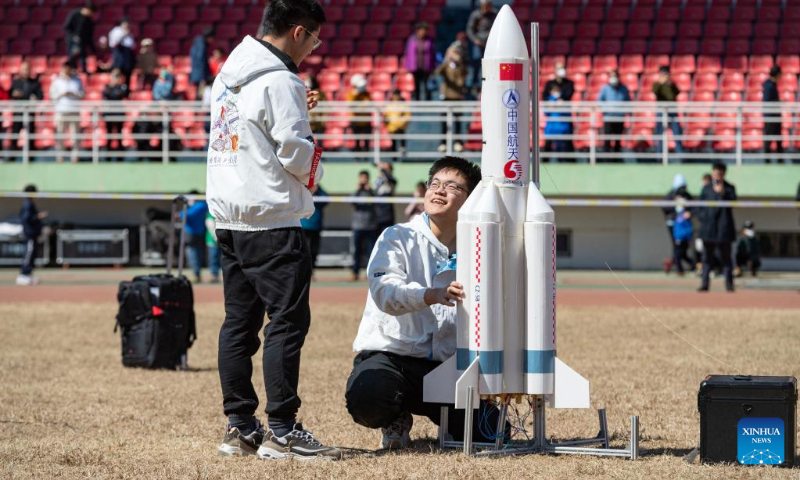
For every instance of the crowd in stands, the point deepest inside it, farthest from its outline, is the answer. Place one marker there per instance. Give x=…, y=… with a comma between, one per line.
x=114, y=65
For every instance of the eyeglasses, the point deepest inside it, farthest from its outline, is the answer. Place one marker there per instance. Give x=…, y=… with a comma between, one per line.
x=317, y=41
x=450, y=187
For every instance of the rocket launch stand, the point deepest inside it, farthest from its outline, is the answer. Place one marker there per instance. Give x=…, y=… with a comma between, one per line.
x=539, y=444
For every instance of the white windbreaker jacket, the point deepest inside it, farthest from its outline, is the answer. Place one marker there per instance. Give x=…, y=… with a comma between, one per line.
x=407, y=260
x=261, y=155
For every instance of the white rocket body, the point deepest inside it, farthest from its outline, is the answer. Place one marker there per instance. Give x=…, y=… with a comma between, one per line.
x=506, y=250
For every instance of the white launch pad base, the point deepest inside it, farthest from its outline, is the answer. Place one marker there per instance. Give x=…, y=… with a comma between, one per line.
x=539, y=444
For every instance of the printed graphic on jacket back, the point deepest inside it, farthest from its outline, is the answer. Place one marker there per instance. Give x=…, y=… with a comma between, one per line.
x=224, y=148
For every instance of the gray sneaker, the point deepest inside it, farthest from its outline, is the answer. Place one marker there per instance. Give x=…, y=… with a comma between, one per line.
x=237, y=445
x=397, y=435
x=299, y=444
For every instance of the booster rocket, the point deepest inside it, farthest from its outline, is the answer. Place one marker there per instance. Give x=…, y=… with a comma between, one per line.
x=506, y=251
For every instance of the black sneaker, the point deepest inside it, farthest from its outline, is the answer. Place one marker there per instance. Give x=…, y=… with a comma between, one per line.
x=237, y=445
x=299, y=444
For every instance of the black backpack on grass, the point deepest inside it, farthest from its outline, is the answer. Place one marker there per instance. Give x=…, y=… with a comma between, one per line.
x=156, y=313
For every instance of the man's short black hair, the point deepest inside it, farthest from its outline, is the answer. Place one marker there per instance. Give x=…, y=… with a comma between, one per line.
x=469, y=170
x=281, y=15
x=720, y=166
x=30, y=188
x=775, y=71
x=363, y=172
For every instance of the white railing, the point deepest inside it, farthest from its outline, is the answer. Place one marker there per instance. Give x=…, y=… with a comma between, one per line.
x=730, y=131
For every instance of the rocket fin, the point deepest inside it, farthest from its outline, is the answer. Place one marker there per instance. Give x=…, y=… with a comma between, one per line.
x=571, y=389
x=439, y=386
x=468, y=379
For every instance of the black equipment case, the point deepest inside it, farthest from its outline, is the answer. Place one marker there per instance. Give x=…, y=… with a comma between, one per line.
x=748, y=419
x=156, y=312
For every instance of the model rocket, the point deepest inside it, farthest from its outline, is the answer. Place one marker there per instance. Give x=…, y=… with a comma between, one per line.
x=506, y=251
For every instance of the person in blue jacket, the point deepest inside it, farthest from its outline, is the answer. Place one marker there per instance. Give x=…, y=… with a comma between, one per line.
x=31, y=219
x=196, y=235
x=556, y=126
x=312, y=226
x=682, y=234
x=614, y=118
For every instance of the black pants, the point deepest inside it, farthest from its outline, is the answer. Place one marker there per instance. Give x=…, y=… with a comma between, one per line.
x=709, y=250
x=680, y=254
x=613, y=128
x=383, y=386
x=363, y=242
x=313, y=237
x=773, y=129
x=362, y=145
x=421, y=85
x=270, y=271
x=399, y=143
x=114, y=129
x=31, y=250
x=17, y=127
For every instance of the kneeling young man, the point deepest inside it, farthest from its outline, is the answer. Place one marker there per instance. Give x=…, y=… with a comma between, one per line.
x=408, y=327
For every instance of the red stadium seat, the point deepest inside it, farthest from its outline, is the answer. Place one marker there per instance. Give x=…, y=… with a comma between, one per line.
x=639, y=30
x=604, y=63
x=186, y=14
x=404, y=82
x=335, y=64
x=374, y=31
x=764, y=46
x=716, y=30
x=367, y=47
x=349, y=31
x=730, y=97
x=388, y=64
x=664, y=46
x=361, y=64
x=557, y=47
x=702, y=96
x=334, y=14
x=648, y=79
x=664, y=30
x=686, y=47
x=683, y=64
x=668, y=14
x=431, y=14
x=726, y=144
x=732, y=82
x=543, y=14
x=788, y=63
x=690, y=29
x=653, y=63
x=789, y=46
x=735, y=64
x=634, y=46
x=584, y=47
x=744, y=13
x=405, y=14
x=705, y=82
x=356, y=14
x=643, y=14
x=752, y=139
x=609, y=47
x=41, y=15
x=593, y=14
x=399, y=31
x=587, y=30
x=568, y=15
x=329, y=81
x=738, y=47
x=381, y=15
x=755, y=81
x=741, y=30
x=765, y=30
x=774, y=14
x=380, y=82
x=787, y=83
x=712, y=46
x=720, y=13
x=579, y=64
x=393, y=47
x=631, y=64
x=630, y=80
x=618, y=13
x=614, y=30
x=566, y=31
x=706, y=63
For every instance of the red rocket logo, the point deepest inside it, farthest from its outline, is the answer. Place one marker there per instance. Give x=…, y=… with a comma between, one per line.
x=513, y=170
x=511, y=72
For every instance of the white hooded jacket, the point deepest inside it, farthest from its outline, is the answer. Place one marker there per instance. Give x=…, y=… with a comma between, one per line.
x=261, y=157
x=407, y=260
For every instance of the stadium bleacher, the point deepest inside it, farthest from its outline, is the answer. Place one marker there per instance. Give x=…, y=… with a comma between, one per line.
x=717, y=50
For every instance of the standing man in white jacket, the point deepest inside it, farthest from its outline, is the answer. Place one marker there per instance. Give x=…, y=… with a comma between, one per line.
x=408, y=327
x=262, y=161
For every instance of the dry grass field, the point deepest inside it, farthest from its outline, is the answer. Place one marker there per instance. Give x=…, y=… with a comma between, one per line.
x=68, y=409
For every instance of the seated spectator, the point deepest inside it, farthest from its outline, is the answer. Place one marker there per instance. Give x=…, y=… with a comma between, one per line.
x=122, y=44
x=613, y=118
x=748, y=250
x=67, y=92
x=25, y=87
x=103, y=56
x=116, y=90
x=147, y=63
x=215, y=62
x=397, y=117
x=164, y=85
x=362, y=126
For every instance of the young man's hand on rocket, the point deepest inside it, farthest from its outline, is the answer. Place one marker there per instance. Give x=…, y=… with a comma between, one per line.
x=445, y=295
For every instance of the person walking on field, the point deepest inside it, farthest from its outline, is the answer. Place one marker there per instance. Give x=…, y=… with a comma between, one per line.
x=718, y=229
x=262, y=161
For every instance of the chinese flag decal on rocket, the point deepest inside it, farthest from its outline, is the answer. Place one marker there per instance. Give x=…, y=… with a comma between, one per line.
x=511, y=72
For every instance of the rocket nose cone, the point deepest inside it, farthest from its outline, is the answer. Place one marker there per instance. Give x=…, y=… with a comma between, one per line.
x=488, y=207
x=506, y=39
x=538, y=209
